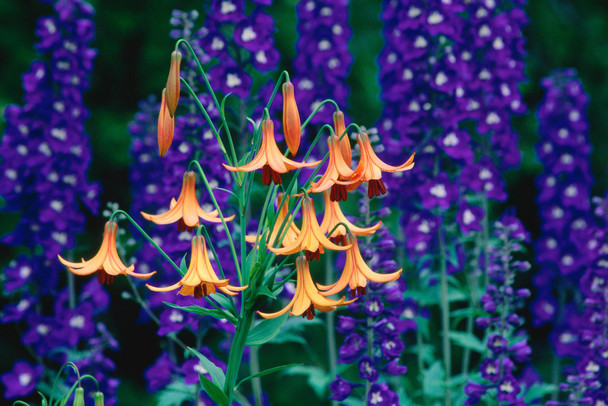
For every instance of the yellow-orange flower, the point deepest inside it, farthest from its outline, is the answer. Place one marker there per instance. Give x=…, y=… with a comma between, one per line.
x=200, y=278
x=356, y=273
x=310, y=240
x=106, y=262
x=307, y=298
x=173, y=82
x=291, y=233
x=166, y=126
x=370, y=168
x=270, y=158
x=338, y=174
x=186, y=210
x=334, y=215
x=291, y=119
x=340, y=129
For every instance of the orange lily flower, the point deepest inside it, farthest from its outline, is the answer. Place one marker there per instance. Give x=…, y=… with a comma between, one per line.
x=310, y=240
x=186, y=210
x=200, y=278
x=173, y=82
x=338, y=174
x=307, y=298
x=106, y=262
x=270, y=158
x=339, y=129
x=370, y=168
x=166, y=126
x=291, y=119
x=292, y=230
x=334, y=215
x=356, y=273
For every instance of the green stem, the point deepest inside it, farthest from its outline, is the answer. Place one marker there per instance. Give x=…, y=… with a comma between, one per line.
x=236, y=353
x=254, y=368
x=331, y=330
x=445, y=319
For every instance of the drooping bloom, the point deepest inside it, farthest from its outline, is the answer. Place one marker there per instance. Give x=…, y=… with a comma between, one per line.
x=356, y=273
x=173, y=82
x=370, y=167
x=310, y=240
x=290, y=231
x=186, y=210
x=166, y=126
x=200, y=278
x=333, y=215
x=106, y=262
x=291, y=119
x=340, y=131
x=270, y=159
x=338, y=174
x=307, y=298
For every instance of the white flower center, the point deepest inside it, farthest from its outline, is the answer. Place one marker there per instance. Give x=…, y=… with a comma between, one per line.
x=468, y=217
x=25, y=379
x=77, y=321
x=233, y=80
x=248, y=34
x=176, y=317
x=439, y=191
x=451, y=140
x=227, y=7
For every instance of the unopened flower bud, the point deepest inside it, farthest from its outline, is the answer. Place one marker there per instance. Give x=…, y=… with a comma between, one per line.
x=291, y=119
x=339, y=129
x=79, y=397
x=98, y=399
x=173, y=82
x=166, y=126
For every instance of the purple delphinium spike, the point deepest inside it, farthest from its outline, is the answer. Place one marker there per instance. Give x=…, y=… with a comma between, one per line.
x=323, y=60
x=505, y=344
x=568, y=242
x=44, y=157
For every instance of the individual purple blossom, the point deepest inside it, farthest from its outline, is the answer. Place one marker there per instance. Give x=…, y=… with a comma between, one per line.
x=340, y=389
x=21, y=380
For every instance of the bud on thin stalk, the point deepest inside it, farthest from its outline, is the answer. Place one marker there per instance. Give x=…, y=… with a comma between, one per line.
x=173, y=82
x=79, y=397
x=291, y=119
x=98, y=399
x=166, y=126
x=339, y=129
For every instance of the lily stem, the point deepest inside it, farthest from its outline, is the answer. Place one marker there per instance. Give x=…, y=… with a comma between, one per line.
x=331, y=333
x=236, y=353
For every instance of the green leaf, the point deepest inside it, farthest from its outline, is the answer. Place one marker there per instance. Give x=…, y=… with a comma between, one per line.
x=225, y=302
x=433, y=381
x=317, y=378
x=214, y=391
x=263, y=290
x=183, y=267
x=457, y=295
x=265, y=330
x=216, y=373
x=538, y=391
x=220, y=315
x=292, y=330
x=467, y=340
x=174, y=394
x=266, y=372
x=461, y=314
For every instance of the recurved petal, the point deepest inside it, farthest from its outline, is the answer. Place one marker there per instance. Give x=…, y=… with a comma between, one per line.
x=165, y=289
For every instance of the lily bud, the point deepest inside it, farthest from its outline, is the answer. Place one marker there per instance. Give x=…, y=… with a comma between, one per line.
x=98, y=399
x=166, y=126
x=173, y=82
x=339, y=129
x=79, y=397
x=291, y=119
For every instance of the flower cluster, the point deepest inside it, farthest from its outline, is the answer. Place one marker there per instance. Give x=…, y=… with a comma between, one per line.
x=504, y=342
x=568, y=243
x=323, y=60
x=44, y=157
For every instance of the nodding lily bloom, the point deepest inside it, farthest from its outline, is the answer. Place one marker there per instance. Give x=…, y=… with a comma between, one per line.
x=310, y=240
x=166, y=126
x=200, y=278
x=270, y=158
x=370, y=168
x=291, y=119
x=356, y=273
x=106, y=262
x=291, y=232
x=173, y=82
x=186, y=210
x=307, y=298
x=340, y=130
x=338, y=174
x=333, y=215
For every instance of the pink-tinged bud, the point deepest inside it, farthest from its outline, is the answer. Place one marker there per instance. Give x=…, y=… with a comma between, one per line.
x=291, y=119
x=339, y=129
x=166, y=125
x=173, y=82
